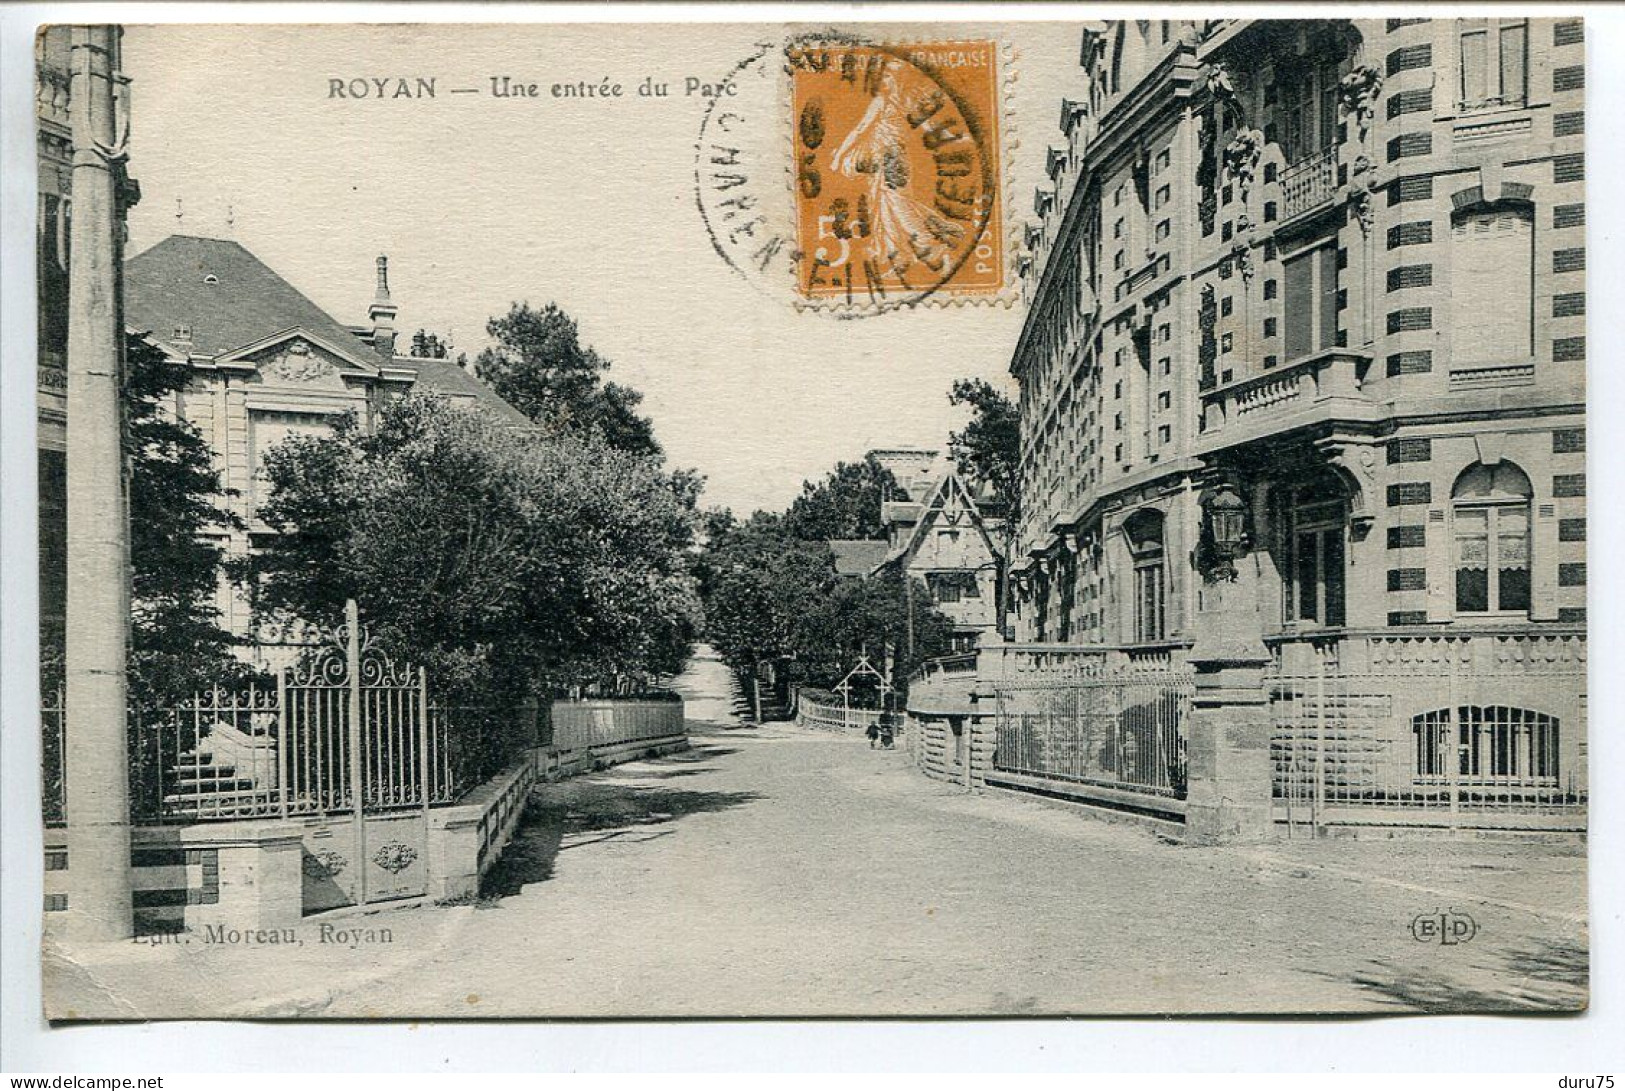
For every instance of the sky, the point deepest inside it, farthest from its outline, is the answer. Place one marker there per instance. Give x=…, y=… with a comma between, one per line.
x=480, y=201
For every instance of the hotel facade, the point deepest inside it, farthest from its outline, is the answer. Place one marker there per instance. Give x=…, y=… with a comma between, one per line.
x=1334, y=271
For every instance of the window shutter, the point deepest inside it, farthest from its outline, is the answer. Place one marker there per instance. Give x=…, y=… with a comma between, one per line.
x=1300, y=306
x=1327, y=257
x=1492, y=289
x=1440, y=571
x=1543, y=564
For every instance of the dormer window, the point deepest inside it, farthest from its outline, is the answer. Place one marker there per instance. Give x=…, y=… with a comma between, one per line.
x=211, y=279
x=183, y=333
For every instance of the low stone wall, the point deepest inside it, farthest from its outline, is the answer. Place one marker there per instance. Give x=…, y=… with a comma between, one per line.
x=466, y=839
x=218, y=874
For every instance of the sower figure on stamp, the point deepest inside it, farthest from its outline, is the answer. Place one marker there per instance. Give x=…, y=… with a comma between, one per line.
x=874, y=148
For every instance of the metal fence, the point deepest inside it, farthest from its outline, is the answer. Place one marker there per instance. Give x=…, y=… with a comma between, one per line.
x=1125, y=732
x=344, y=725
x=1426, y=747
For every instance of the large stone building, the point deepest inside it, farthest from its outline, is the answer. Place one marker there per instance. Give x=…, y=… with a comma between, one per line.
x=267, y=363
x=1342, y=263
x=1329, y=273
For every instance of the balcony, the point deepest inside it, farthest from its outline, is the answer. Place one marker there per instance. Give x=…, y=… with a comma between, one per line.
x=1481, y=651
x=1328, y=385
x=1309, y=183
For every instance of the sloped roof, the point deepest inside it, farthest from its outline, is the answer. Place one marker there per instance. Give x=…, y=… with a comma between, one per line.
x=226, y=295
x=931, y=510
x=446, y=378
x=857, y=556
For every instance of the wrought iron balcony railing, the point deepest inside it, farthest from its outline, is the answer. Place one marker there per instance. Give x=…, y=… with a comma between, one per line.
x=1309, y=183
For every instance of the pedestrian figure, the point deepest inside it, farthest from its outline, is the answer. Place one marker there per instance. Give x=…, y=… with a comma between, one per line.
x=874, y=734
x=887, y=730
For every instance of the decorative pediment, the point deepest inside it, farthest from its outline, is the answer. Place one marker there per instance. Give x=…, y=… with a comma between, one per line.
x=296, y=358
x=299, y=363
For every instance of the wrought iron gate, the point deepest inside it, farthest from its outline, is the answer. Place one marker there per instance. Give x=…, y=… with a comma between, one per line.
x=357, y=742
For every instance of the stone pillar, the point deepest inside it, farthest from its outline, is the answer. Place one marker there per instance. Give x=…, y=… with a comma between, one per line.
x=1228, y=746
x=992, y=666
x=98, y=605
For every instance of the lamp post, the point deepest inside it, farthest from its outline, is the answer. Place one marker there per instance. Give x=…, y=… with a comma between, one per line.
x=1229, y=776
x=95, y=756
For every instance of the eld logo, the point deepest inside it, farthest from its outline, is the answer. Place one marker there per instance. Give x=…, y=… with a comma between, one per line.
x=1444, y=928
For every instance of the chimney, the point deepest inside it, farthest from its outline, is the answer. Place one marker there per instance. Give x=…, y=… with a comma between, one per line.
x=382, y=312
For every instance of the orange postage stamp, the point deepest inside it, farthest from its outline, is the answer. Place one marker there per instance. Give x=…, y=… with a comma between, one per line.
x=897, y=173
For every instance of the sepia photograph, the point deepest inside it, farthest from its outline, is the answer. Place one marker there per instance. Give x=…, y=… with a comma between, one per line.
x=811, y=519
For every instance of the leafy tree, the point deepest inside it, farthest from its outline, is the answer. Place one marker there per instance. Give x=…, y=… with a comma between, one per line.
x=759, y=583
x=845, y=504
x=539, y=366
x=770, y=595
x=988, y=451
x=177, y=563
x=505, y=562
x=870, y=616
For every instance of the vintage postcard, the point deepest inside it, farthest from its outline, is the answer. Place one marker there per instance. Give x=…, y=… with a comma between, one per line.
x=782, y=520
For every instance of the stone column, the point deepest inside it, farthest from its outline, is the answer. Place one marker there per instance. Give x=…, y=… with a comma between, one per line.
x=1228, y=746
x=95, y=760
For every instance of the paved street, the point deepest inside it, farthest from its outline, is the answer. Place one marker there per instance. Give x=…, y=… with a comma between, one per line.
x=781, y=871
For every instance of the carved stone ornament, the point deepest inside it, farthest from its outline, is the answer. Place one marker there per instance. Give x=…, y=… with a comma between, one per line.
x=299, y=363
x=395, y=857
x=1241, y=158
x=1357, y=94
x=1362, y=177
x=325, y=864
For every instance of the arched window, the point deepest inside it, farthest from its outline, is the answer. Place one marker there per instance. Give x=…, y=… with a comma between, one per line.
x=1316, y=527
x=1492, y=254
x=1144, y=530
x=1489, y=744
x=1490, y=517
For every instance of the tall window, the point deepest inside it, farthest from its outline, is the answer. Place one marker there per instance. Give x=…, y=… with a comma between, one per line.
x=1494, y=743
x=1492, y=256
x=1494, y=63
x=1316, y=554
x=1490, y=515
x=1308, y=106
x=1311, y=301
x=1145, y=538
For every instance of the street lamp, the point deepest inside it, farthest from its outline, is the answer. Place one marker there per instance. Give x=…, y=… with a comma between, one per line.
x=1224, y=515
